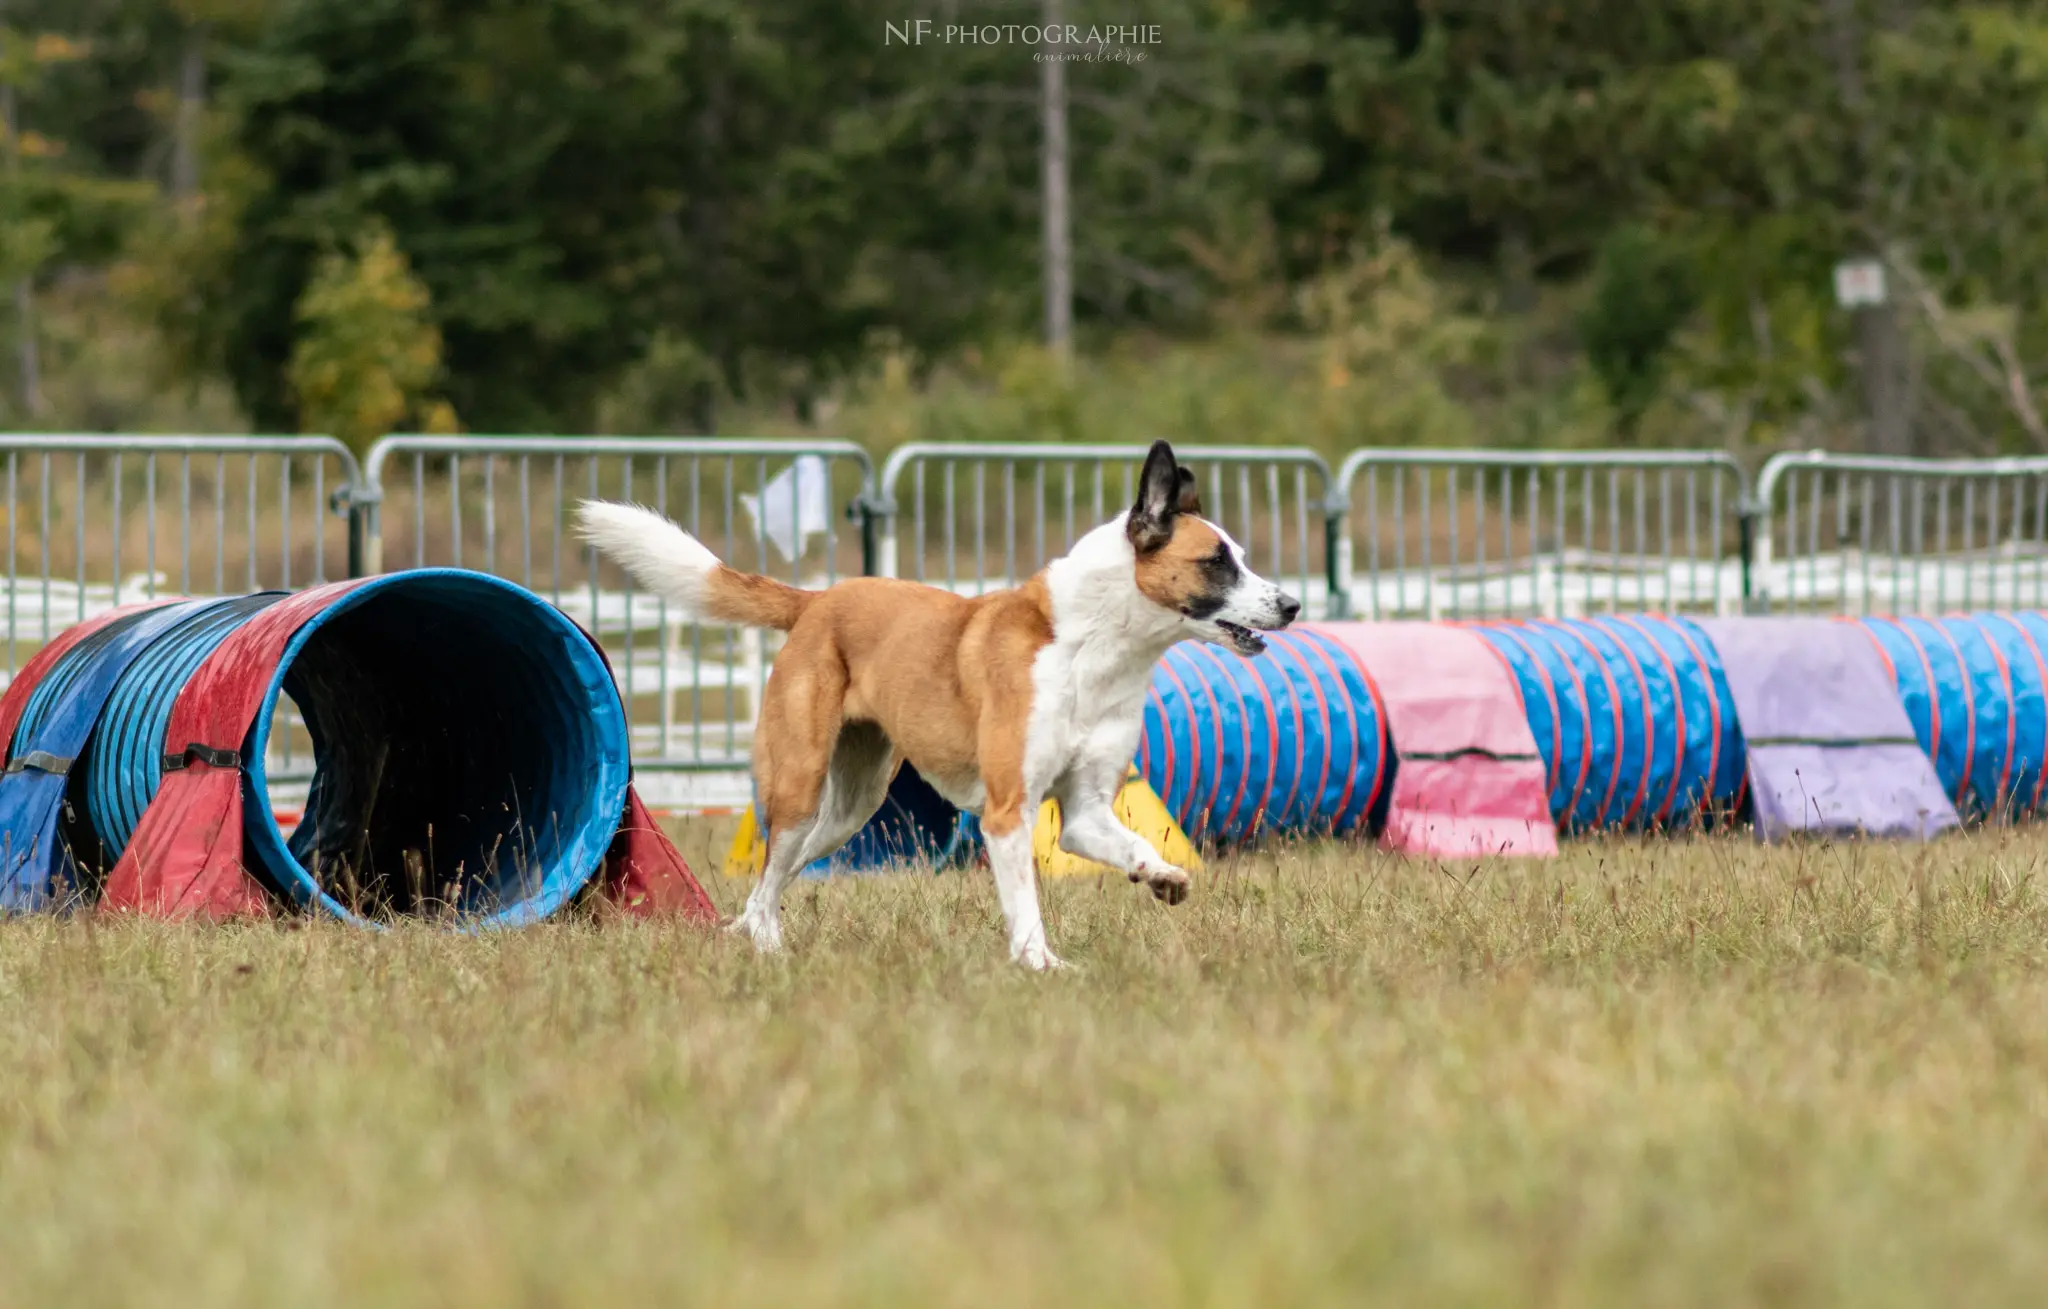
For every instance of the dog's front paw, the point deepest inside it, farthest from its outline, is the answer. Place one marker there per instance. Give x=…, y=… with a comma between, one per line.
x=1039, y=958
x=766, y=936
x=1167, y=882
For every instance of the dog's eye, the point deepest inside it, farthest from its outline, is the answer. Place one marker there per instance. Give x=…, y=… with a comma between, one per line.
x=1220, y=566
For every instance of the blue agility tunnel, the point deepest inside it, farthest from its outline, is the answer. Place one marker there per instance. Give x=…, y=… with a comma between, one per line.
x=1975, y=688
x=1292, y=741
x=41, y=799
x=1633, y=718
x=469, y=747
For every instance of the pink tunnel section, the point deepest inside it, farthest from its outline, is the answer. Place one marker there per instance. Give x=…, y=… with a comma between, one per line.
x=1469, y=780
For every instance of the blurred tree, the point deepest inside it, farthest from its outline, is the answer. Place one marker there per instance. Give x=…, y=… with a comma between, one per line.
x=1883, y=127
x=44, y=210
x=506, y=152
x=681, y=203
x=368, y=355
x=1386, y=335
x=1643, y=292
x=770, y=182
x=1533, y=129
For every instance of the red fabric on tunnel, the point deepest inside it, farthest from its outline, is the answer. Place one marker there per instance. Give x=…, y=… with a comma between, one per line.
x=14, y=702
x=645, y=876
x=1468, y=780
x=186, y=854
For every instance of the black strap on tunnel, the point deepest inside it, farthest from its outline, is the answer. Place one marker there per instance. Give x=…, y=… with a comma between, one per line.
x=40, y=760
x=1468, y=752
x=1835, y=742
x=205, y=754
x=253, y=603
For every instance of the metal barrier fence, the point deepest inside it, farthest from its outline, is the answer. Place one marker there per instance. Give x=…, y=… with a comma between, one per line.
x=94, y=522
x=1856, y=534
x=1499, y=533
x=977, y=517
x=502, y=505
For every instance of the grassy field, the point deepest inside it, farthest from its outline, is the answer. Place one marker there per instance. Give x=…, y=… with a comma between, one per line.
x=1658, y=1074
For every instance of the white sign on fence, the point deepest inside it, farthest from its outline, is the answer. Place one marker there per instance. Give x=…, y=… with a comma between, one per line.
x=1859, y=282
x=795, y=506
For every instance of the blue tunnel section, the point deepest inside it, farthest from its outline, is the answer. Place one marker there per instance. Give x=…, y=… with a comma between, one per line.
x=52, y=856
x=471, y=753
x=122, y=770
x=469, y=749
x=1293, y=741
x=1976, y=689
x=915, y=826
x=1633, y=717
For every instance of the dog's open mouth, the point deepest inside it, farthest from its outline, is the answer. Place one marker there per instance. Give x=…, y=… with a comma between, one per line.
x=1243, y=639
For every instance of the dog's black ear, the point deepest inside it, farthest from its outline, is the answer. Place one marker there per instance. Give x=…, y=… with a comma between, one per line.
x=1190, y=501
x=1150, y=525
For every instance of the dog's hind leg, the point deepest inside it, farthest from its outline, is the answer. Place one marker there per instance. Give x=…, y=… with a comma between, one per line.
x=863, y=763
x=762, y=918
x=793, y=746
x=1006, y=828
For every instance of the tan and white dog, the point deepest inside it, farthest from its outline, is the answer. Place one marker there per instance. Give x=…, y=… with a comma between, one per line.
x=998, y=700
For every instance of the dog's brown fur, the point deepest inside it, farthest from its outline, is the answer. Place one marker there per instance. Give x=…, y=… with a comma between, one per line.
x=1173, y=576
x=871, y=649
x=946, y=677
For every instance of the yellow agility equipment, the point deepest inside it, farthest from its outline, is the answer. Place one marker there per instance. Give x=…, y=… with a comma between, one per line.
x=749, y=853
x=1139, y=808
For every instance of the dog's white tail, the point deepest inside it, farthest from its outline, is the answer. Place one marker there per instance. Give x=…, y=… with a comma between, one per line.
x=670, y=562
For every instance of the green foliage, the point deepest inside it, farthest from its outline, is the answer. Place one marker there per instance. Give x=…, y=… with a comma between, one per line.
x=1386, y=336
x=1376, y=368
x=769, y=183
x=1642, y=294
x=367, y=354
x=673, y=389
x=1602, y=220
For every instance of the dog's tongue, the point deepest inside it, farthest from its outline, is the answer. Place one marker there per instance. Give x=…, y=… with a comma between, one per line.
x=1248, y=642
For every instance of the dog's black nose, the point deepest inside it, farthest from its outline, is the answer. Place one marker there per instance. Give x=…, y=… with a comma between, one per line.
x=1289, y=607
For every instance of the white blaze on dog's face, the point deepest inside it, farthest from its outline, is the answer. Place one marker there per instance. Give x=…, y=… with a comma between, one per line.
x=1190, y=566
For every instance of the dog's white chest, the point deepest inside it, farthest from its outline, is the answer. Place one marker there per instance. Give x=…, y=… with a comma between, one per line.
x=1082, y=707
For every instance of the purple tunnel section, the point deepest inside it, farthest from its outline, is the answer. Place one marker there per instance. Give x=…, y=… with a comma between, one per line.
x=1830, y=747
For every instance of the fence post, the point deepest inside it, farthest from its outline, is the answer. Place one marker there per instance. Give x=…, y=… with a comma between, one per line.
x=1337, y=551
x=1748, y=514
x=877, y=543
x=365, y=529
